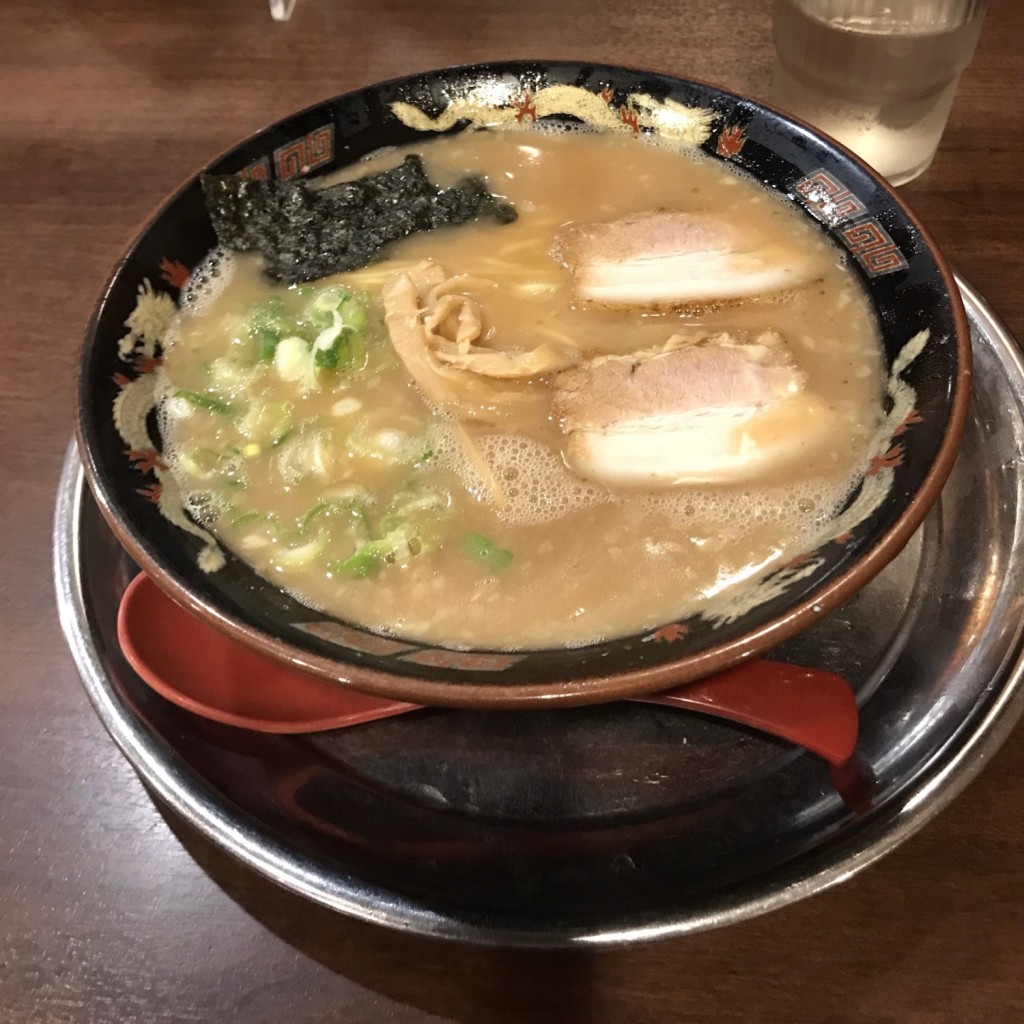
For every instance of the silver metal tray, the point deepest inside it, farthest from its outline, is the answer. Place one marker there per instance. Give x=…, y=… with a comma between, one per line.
x=619, y=822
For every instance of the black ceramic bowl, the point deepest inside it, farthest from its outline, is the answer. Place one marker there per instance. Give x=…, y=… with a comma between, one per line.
x=908, y=283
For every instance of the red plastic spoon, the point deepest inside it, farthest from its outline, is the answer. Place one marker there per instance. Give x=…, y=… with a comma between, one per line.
x=198, y=668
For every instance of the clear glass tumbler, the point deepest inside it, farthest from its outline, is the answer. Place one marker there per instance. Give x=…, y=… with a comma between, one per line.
x=878, y=75
x=281, y=10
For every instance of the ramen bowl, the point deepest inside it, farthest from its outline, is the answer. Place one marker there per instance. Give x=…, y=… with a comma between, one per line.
x=910, y=288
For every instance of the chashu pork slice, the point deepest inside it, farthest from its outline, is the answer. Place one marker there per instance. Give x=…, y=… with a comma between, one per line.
x=671, y=258
x=716, y=412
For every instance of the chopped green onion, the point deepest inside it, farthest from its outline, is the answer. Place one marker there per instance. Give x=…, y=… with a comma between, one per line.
x=398, y=545
x=307, y=453
x=268, y=423
x=330, y=324
x=418, y=499
x=268, y=341
x=302, y=555
x=267, y=324
x=366, y=560
x=207, y=465
x=390, y=445
x=354, y=507
x=203, y=401
x=248, y=518
x=345, y=352
x=294, y=361
x=483, y=550
x=342, y=320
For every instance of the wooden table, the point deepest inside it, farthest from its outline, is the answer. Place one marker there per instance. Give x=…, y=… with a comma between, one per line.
x=111, y=910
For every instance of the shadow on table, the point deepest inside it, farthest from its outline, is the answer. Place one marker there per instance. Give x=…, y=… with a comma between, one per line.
x=438, y=976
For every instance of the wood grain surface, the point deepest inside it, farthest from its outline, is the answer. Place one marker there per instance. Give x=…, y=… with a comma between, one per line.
x=111, y=910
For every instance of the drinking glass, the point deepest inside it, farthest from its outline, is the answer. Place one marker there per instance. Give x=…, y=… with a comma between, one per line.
x=878, y=75
x=281, y=10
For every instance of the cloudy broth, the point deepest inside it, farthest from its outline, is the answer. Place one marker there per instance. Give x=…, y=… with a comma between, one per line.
x=524, y=554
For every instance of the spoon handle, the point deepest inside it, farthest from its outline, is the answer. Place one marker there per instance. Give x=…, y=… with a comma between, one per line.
x=812, y=708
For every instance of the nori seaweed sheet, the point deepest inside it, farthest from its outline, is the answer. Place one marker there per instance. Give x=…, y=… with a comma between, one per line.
x=305, y=233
